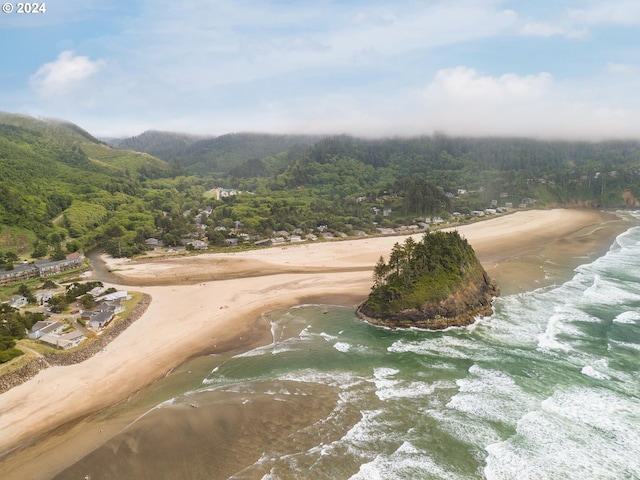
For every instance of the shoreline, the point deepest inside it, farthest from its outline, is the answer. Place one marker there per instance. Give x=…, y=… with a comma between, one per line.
x=225, y=315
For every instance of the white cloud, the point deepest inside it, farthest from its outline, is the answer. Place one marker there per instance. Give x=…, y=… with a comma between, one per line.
x=621, y=68
x=467, y=85
x=463, y=101
x=64, y=74
x=611, y=12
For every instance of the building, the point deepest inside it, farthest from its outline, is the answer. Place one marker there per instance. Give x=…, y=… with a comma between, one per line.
x=19, y=272
x=41, y=329
x=43, y=297
x=198, y=244
x=47, y=267
x=64, y=341
x=100, y=319
x=18, y=301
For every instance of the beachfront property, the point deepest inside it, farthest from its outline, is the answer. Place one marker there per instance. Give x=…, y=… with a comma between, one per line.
x=104, y=312
x=42, y=328
x=100, y=319
x=115, y=296
x=198, y=244
x=64, y=341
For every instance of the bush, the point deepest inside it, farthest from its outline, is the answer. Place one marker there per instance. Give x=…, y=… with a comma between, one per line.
x=10, y=354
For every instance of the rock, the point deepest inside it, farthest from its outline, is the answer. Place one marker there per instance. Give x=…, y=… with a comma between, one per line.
x=434, y=284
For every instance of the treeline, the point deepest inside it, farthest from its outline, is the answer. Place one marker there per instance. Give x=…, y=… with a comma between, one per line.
x=14, y=326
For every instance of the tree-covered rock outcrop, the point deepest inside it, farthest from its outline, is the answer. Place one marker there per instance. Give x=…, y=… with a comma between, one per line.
x=435, y=283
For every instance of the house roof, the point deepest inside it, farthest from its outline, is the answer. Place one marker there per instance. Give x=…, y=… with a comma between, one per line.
x=46, y=327
x=102, y=317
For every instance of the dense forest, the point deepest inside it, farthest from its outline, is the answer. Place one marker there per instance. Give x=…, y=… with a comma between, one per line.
x=63, y=190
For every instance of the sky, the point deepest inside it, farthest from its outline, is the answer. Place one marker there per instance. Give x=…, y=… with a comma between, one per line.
x=534, y=68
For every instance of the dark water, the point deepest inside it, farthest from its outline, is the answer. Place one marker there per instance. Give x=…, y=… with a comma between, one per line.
x=546, y=388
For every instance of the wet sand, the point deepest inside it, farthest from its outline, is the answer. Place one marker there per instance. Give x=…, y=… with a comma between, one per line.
x=213, y=302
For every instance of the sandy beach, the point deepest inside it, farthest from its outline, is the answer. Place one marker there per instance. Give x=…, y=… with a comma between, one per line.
x=213, y=303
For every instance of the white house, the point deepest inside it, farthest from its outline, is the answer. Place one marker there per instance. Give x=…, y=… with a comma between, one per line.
x=43, y=297
x=120, y=294
x=18, y=301
x=40, y=329
x=64, y=341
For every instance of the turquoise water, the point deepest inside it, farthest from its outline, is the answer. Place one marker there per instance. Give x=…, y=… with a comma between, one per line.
x=546, y=388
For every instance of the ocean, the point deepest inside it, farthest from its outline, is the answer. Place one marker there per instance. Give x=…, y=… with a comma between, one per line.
x=546, y=388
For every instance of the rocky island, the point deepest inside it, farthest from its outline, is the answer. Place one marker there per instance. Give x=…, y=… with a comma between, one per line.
x=433, y=284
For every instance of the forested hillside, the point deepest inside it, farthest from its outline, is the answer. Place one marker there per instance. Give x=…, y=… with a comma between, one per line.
x=63, y=190
x=214, y=154
x=165, y=145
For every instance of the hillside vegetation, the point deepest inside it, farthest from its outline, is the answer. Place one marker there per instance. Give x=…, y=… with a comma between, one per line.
x=62, y=190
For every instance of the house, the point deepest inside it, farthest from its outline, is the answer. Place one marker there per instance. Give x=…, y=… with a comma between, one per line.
x=263, y=243
x=64, y=341
x=277, y=240
x=119, y=295
x=43, y=297
x=96, y=291
x=75, y=255
x=40, y=329
x=295, y=238
x=87, y=315
x=18, y=301
x=100, y=319
x=312, y=237
x=153, y=243
x=231, y=242
x=198, y=244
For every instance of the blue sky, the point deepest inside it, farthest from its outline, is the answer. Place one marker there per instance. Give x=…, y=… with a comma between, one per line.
x=542, y=68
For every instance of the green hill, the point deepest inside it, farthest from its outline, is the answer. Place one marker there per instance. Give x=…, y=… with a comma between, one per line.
x=61, y=186
x=217, y=155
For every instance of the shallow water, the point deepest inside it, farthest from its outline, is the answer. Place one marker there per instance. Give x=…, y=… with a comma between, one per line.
x=548, y=387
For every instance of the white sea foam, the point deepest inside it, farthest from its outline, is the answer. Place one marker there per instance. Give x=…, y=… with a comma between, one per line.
x=629, y=345
x=629, y=317
x=548, y=340
x=444, y=346
x=406, y=462
x=580, y=432
x=328, y=337
x=589, y=371
x=342, y=346
x=490, y=395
